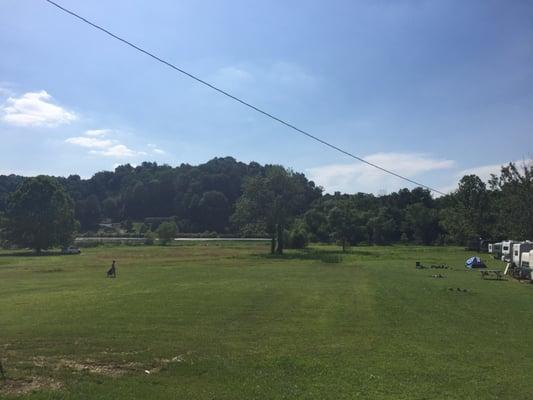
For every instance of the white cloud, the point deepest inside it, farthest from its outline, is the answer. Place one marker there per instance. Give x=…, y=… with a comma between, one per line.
x=156, y=149
x=291, y=74
x=280, y=74
x=35, y=109
x=98, y=145
x=4, y=91
x=359, y=177
x=483, y=172
x=118, y=150
x=90, y=142
x=231, y=76
x=98, y=132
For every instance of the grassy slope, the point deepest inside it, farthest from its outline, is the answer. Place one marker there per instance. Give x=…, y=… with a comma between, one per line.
x=251, y=326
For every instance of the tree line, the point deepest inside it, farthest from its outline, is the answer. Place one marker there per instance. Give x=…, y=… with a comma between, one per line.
x=224, y=196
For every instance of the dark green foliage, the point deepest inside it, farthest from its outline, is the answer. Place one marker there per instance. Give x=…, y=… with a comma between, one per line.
x=144, y=229
x=128, y=225
x=513, y=200
x=88, y=212
x=149, y=238
x=423, y=222
x=166, y=232
x=297, y=237
x=40, y=215
x=227, y=197
x=214, y=211
x=274, y=199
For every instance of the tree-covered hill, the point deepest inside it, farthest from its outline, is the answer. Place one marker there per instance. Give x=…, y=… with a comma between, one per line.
x=230, y=197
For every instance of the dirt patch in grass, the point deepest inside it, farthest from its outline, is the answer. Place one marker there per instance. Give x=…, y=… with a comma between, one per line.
x=163, y=362
x=45, y=271
x=20, y=386
x=111, y=369
x=93, y=367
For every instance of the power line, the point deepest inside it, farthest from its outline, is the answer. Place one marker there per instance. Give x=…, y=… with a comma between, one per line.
x=237, y=99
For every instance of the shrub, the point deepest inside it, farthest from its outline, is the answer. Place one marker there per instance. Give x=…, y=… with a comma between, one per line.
x=166, y=232
x=149, y=238
x=297, y=238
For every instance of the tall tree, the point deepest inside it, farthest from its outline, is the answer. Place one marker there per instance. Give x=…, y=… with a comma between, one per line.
x=274, y=199
x=466, y=217
x=514, y=190
x=423, y=222
x=340, y=224
x=214, y=210
x=40, y=215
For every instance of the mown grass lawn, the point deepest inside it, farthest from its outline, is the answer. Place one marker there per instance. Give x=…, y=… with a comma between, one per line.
x=229, y=321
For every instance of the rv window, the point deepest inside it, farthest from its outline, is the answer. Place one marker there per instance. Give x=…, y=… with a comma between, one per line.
x=516, y=252
x=506, y=248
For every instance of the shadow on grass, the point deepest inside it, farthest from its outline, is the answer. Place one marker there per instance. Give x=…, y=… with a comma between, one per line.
x=48, y=271
x=34, y=254
x=326, y=256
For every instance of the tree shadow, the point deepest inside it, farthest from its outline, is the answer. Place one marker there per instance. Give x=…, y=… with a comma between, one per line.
x=33, y=253
x=326, y=256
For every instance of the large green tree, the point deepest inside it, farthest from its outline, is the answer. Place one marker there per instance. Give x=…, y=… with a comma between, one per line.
x=423, y=222
x=273, y=200
x=40, y=215
x=466, y=216
x=340, y=224
x=513, y=198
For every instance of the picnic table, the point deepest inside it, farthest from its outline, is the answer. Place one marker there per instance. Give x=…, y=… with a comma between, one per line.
x=488, y=272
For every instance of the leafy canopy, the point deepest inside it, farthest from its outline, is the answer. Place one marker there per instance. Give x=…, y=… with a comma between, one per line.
x=40, y=215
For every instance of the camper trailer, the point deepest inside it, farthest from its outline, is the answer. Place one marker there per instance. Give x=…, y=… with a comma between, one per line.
x=507, y=250
x=524, y=270
x=520, y=249
x=496, y=250
x=526, y=261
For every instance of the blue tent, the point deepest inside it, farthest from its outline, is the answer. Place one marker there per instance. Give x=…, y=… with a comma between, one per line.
x=475, y=262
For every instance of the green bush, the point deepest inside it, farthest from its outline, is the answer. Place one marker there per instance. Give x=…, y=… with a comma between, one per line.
x=166, y=232
x=149, y=238
x=297, y=239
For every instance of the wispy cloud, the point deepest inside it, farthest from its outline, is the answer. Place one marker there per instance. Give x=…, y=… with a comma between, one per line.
x=98, y=132
x=232, y=76
x=90, y=142
x=4, y=90
x=155, y=149
x=359, y=177
x=484, y=172
x=94, y=140
x=275, y=75
x=35, y=109
x=118, y=150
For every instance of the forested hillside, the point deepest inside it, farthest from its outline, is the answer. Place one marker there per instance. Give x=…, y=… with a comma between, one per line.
x=230, y=197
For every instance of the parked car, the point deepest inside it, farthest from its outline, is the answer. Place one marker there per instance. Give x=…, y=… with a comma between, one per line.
x=71, y=250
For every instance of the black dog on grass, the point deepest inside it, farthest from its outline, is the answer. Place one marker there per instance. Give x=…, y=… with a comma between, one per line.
x=112, y=272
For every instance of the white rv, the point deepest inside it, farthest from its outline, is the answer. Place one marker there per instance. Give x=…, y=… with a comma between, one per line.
x=507, y=250
x=525, y=269
x=496, y=250
x=520, y=249
x=526, y=261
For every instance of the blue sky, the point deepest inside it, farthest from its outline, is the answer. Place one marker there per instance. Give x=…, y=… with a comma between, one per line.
x=430, y=89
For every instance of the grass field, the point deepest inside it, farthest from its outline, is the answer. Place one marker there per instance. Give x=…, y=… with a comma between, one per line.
x=228, y=321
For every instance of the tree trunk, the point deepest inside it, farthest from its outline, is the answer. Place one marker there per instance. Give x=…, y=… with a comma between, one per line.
x=280, y=239
x=343, y=245
x=273, y=243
